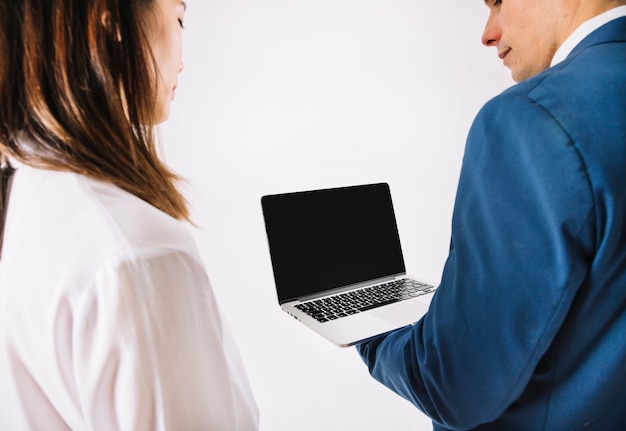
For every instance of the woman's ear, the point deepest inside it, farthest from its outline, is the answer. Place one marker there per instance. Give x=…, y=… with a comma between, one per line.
x=114, y=30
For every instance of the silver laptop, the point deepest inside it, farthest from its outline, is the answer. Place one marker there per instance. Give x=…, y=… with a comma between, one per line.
x=338, y=264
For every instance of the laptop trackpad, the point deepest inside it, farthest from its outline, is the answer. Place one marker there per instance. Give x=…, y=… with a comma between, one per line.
x=401, y=313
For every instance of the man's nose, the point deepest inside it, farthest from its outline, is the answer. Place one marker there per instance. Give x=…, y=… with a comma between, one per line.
x=492, y=32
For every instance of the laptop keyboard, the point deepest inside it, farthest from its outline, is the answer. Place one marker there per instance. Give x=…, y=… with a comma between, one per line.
x=356, y=301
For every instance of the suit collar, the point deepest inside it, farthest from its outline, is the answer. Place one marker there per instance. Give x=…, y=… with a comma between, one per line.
x=584, y=30
x=613, y=31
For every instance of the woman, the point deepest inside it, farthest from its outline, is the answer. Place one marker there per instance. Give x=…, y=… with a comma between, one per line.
x=107, y=318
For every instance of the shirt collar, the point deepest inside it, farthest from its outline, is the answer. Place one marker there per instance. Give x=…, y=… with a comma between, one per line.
x=584, y=30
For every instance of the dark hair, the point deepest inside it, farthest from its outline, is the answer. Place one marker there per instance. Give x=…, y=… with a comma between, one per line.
x=78, y=94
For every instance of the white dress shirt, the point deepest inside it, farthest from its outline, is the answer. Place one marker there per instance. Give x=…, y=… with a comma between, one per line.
x=107, y=317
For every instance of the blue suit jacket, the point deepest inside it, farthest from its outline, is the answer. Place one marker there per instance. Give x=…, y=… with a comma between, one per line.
x=528, y=328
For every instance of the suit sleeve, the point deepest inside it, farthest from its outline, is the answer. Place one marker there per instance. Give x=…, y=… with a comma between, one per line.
x=522, y=244
x=151, y=350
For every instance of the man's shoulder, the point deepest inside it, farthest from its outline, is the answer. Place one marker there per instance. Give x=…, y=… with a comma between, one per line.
x=589, y=66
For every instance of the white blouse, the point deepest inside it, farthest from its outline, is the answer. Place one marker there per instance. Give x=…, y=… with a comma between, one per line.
x=107, y=317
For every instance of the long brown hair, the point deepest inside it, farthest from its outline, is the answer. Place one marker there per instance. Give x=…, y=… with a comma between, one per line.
x=77, y=94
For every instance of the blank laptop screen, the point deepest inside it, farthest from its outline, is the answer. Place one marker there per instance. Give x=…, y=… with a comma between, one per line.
x=331, y=238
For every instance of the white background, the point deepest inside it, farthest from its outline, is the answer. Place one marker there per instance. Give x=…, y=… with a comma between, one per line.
x=288, y=95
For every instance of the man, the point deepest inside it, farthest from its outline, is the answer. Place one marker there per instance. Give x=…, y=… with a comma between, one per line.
x=527, y=330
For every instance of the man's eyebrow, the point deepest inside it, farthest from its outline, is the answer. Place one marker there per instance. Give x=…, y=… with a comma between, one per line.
x=185, y=4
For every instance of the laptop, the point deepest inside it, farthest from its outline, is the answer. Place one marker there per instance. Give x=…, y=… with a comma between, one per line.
x=338, y=264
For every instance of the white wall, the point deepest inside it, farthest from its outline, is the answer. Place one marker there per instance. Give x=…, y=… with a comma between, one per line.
x=287, y=95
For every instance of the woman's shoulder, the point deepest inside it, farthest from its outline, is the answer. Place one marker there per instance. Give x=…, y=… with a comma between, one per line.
x=132, y=222
x=91, y=216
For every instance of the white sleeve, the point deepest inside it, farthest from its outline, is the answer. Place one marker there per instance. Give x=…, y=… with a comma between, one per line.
x=151, y=352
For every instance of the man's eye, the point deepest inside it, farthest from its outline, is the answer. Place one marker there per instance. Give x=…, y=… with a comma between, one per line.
x=180, y=22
